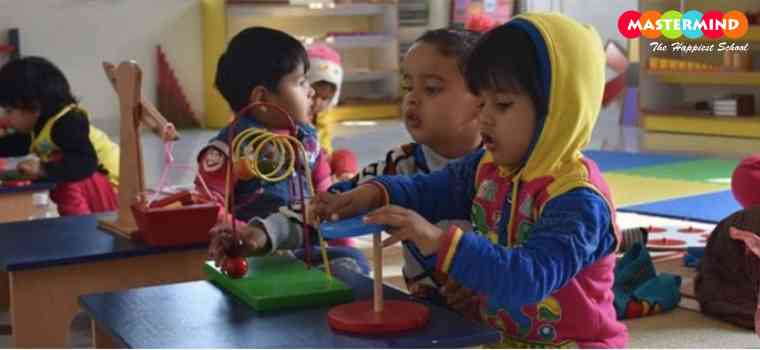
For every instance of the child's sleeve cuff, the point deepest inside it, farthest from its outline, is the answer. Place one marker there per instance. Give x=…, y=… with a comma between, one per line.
x=448, y=248
x=383, y=190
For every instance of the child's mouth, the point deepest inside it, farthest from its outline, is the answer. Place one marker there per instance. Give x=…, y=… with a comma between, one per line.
x=413, y=120
x=488, y=141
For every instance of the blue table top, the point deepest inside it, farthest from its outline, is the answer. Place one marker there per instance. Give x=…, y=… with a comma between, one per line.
x=67, y=240
x=201, y=315
x=34, y=187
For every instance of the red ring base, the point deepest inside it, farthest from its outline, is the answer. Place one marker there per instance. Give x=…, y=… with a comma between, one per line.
x=360, y=318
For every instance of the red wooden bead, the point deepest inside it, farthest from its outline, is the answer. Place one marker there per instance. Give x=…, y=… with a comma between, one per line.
x=235, y=267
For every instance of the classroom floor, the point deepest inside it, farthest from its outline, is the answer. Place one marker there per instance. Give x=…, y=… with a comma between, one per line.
x=370, y=140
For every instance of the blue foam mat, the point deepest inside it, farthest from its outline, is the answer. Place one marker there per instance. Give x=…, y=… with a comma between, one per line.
x=709, y=208
x=615, y=160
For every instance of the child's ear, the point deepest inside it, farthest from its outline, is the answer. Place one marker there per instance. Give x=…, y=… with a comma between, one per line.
x=258, y=94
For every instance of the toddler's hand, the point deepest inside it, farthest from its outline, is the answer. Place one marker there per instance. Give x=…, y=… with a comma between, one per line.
x=252, y=239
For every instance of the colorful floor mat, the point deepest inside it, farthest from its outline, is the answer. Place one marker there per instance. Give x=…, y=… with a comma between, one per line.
x=710, y=207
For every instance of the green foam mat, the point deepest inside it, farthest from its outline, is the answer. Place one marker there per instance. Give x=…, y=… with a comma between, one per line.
x=704, y=170
x=281, y=282
x=13, y=175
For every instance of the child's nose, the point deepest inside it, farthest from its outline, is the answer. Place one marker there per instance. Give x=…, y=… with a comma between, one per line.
x=484, y=118
x=410, y=99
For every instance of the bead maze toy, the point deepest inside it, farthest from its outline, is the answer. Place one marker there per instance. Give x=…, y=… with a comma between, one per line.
x=182, y=223
x=272, y=282
x=378, y=316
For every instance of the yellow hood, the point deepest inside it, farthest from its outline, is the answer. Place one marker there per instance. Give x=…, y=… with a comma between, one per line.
x=576, y=67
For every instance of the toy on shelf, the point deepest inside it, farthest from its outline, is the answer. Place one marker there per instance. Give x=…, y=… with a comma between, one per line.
x=185, y=221
x=734, y=105
x=658, y=64
x=377, y=316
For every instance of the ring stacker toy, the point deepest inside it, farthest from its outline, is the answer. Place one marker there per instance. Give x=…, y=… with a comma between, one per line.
x=377, y=316
x=173, y=220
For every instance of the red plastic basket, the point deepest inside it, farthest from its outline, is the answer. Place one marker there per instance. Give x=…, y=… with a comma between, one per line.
x=168, y=226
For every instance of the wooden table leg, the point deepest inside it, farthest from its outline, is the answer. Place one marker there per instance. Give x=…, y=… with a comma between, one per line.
x=4, y=296
x=101, y=339
x=44, y=301
x=16, y=206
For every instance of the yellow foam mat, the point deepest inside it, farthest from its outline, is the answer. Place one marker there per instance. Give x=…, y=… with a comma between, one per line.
x=631, y=190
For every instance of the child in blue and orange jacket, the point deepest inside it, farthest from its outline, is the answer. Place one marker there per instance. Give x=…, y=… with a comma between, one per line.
x=541, y=254
x=262, y=65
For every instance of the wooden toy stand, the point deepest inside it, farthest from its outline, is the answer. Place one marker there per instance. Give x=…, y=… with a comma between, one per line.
x=126, y=80
x=378, y=316
x=280, y=282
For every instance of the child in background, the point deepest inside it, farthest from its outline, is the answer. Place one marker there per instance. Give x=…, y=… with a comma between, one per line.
x=81, y=160
x=541, y=254
x=263, y=65
x=441, y=115
x=325, y=77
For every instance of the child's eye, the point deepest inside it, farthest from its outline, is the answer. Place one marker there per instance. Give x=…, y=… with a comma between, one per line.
x=406, y=86
x=433, y=89
x=503, y=106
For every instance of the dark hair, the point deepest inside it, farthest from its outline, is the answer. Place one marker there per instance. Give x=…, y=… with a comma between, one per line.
x=34, y=84
x=257, y=56
x=505, y=59
x=456, y=43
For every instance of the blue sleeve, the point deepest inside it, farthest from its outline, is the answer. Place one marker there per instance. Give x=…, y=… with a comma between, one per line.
x=574, y=231
x=442, y=195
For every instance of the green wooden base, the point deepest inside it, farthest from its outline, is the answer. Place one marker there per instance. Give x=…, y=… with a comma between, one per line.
x=280, y=282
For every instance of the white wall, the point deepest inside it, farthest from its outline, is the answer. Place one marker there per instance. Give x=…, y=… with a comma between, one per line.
x=78, y=35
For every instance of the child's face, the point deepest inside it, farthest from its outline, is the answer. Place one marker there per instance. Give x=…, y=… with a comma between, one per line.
x=212, y=160
x=294, y=95
x=20, y=119
x=438, y=109
x=323, y=95
x=507, y=123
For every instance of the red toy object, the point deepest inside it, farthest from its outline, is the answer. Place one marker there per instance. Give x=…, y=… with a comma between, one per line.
x=480, y=23
x=665, y=242
x=235, y=267
x=360, y=318
x=378, y=316
x=344, y=162
x=691, y=229
x=16, y=183
x=180, y=221
x=745, y=181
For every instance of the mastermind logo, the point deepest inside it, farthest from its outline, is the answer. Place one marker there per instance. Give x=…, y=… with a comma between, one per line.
x=692, y=24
